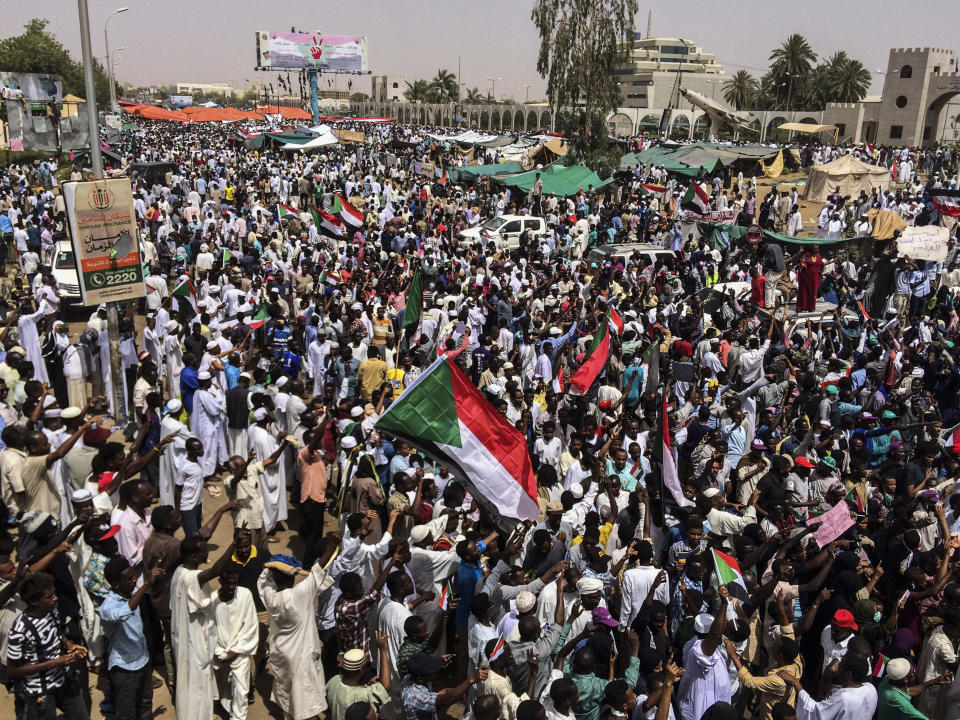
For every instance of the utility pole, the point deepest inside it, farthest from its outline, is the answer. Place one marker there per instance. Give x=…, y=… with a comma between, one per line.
x=96, y=159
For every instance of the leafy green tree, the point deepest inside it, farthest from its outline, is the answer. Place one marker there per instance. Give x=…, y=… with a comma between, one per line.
x=444, y=86
x=740, y=90
x=38, y=51
x=847, y=78
x=417, y=91
x=582, y=43
x=791, y=67
x=474, y=96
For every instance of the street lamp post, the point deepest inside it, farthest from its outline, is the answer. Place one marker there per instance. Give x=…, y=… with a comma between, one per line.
x=493, y=86
x=526, y=93
x=106, y=42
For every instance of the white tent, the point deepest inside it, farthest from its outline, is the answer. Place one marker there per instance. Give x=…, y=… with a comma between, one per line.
x=845, y=175
x=324, y=137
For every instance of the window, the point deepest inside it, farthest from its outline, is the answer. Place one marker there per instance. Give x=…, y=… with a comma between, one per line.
x=926, y=132
x=511, y=227
x=936, y=69
x=906, y=72
x=841, y=129
x=896, y=131
x=396, y=85
x=901, y=102
x=535, y=224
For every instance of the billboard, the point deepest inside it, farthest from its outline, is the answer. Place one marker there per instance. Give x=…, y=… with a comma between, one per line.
x=181, y=101
x=288, y=50
x=32, y=86
x=103, y=230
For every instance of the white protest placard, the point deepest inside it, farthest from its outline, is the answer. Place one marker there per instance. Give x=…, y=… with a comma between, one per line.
x=924, y=243
x=835, y=521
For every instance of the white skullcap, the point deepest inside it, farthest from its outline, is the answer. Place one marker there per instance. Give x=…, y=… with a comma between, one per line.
x=260, y=414
x=282, y=380
x=710, y=492
x=356, y=411
x=81, y=495
x=588, y=586
x=703, y=623
x=898, y=668
x=174, y=406
x=71, y=412
x=349, y=442
x=419, y=533
x=204, y=375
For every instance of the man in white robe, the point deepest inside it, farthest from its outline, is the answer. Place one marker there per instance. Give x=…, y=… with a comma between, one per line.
x=30, y=339
x=175, y=454
x=706, y=680
x=173, y=356
x=299, y=686
x=209, y=424
x=273, y=482
x=194, y=628
x=238, y=635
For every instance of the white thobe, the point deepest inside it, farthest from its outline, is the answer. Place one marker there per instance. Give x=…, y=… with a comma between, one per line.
x=208, y=423
x=705, y=680
x=30, y=340
x=237, y=631
x=173, y=354
x=841, y=704
x=430, y=570
x=392, y=616
x=193, y=630
x=273, y=483
x=299, y=687
x=172, y=457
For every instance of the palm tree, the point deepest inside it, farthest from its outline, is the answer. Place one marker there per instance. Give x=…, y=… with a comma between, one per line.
x=847, y=79
x=791, y=64
x=740, y=89
x=419, y=91
x=473, y=97
x=445, y=86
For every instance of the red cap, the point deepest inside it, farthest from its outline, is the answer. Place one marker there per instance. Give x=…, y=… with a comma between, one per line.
x=802, y=462
x=844, y=619
x=104, y=480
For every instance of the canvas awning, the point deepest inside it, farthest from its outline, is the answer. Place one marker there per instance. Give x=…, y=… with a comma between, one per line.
x=559, y=180
x=806, y=127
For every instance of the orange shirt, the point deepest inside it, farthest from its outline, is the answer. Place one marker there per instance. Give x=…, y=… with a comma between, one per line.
x=313, y=475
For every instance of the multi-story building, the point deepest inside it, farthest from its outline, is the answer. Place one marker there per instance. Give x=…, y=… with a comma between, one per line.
x=206, y=89
x=387, y=88
x=649, y=79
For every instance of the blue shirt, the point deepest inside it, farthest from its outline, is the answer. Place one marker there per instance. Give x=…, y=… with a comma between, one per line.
x=233, y=375
x=124, y=630
x=467, y=577
x=188, y=386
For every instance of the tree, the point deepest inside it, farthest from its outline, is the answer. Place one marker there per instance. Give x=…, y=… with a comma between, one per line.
x=740, y=90
x=474, y=96
x=791, y=66
x=582, y=43
x=445, y=86
x=37, y=51
x=418, y=91
x=359, y=97
x=847, y=79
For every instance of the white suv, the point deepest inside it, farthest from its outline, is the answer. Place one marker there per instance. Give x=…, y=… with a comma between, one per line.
x=64, y=269
x=505, y=230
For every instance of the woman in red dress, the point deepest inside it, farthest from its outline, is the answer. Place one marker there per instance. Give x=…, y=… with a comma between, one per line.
x=808, y=279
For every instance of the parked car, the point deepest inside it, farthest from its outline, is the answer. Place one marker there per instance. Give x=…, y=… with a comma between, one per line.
x=64, y=268
x=504, y=231
x=639, y=254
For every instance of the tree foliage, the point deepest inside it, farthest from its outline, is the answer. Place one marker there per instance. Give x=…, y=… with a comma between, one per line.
x=740, y=90
x=38, y=51
x=582, y=43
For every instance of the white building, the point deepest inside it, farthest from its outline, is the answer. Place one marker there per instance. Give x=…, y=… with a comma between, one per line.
x=650, y=77
x=387, y=88
x=206, y=88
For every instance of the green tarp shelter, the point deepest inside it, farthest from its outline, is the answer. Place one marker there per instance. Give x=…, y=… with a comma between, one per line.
x=286, y=138
x=561, y=180
x=469, y=173
x=722, y=234
x=681, y=161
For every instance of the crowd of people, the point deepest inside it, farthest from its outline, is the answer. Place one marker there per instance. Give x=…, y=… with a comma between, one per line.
x=799, y=563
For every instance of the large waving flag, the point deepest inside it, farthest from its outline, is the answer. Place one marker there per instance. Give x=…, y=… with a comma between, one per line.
x=695, y=199
x=330, y=224
x=444, y=415
x=285, y=210
x=947, y=202
x=663, y=454
x=594, y=360
x=728, y=573
x=413, y=310
x=347, y=212
x=184, y=292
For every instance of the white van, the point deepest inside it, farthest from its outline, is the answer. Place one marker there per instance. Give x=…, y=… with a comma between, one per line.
x=505, y=230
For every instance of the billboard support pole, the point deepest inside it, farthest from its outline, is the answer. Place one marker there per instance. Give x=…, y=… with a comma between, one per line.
x=314, y=103
x=96, y=159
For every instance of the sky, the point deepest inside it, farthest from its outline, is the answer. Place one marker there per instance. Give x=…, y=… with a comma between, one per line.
x=213, y=40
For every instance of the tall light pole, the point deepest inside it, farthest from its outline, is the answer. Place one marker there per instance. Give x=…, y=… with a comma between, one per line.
x=493, y=86
x=106, y=42
x=526, y=93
